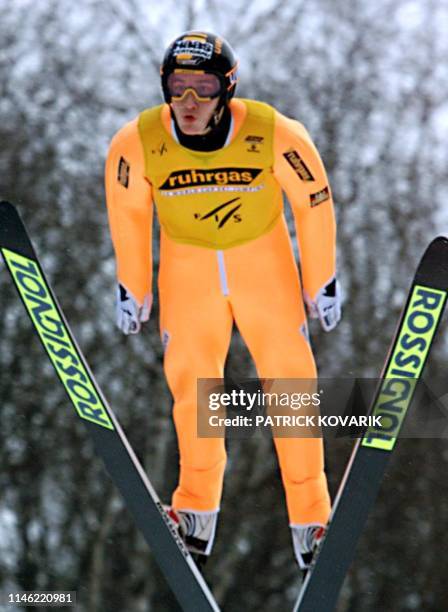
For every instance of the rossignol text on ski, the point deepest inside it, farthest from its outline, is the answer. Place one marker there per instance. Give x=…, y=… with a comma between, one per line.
x=110, y=442
x=404, y=365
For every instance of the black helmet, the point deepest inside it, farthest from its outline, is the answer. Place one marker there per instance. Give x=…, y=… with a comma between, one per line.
x=201, y=52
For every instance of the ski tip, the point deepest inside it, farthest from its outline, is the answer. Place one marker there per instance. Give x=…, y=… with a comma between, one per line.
x=441, y=239
x=13, y=235
x=441, y=242
x=433, y=267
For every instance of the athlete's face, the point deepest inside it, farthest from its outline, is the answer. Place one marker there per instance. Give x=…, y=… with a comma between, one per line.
x=192, y=116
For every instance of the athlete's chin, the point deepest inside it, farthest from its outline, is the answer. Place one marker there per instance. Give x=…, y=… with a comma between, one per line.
x=191, y=128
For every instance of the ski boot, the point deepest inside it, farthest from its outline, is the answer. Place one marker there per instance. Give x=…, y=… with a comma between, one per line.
x=306, y=540
x=197, y=529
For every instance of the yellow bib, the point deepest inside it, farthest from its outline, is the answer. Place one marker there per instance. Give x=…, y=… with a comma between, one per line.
x=216, y=199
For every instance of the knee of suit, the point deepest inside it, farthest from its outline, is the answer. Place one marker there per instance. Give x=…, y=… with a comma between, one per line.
x=183, y=371
x=285, y=359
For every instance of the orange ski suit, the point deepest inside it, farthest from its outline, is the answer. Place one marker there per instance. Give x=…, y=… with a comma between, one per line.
x=225, y=257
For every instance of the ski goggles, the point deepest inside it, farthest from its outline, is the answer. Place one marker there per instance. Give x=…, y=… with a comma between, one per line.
x=205, y=86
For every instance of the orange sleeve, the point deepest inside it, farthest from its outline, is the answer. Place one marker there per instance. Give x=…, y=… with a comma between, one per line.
x=301, y=174
x=130, y=211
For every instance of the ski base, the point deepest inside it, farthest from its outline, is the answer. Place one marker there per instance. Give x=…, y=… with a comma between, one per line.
x=111, y=444
x=357, y=493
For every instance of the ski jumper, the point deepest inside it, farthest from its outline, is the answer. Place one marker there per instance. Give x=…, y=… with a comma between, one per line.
x=226, y=256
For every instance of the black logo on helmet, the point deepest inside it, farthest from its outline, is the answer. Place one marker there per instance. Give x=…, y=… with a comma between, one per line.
x=222, y=213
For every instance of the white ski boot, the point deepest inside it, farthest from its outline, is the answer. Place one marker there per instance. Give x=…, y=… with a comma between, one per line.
x=197, y=529
x=306, y=539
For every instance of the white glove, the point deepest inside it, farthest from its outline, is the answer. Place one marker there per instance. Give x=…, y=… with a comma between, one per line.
x=327, y=305
x=129, y=314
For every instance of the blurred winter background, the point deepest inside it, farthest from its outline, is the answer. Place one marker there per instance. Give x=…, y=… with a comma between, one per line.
x=370, y=82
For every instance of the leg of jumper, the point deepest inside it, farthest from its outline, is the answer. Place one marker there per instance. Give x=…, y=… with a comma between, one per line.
x=196, y=325
x=268, y=308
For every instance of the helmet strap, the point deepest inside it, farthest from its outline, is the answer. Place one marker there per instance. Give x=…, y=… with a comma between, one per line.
x=217, y=115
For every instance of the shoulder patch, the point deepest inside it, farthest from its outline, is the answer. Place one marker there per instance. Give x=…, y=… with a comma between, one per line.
x=123, y=172
x=298, y=165
x=321, y=196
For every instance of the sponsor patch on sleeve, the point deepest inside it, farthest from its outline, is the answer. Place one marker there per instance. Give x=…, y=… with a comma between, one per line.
x=321, y=196
x=298, y=165
x=123, y=172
